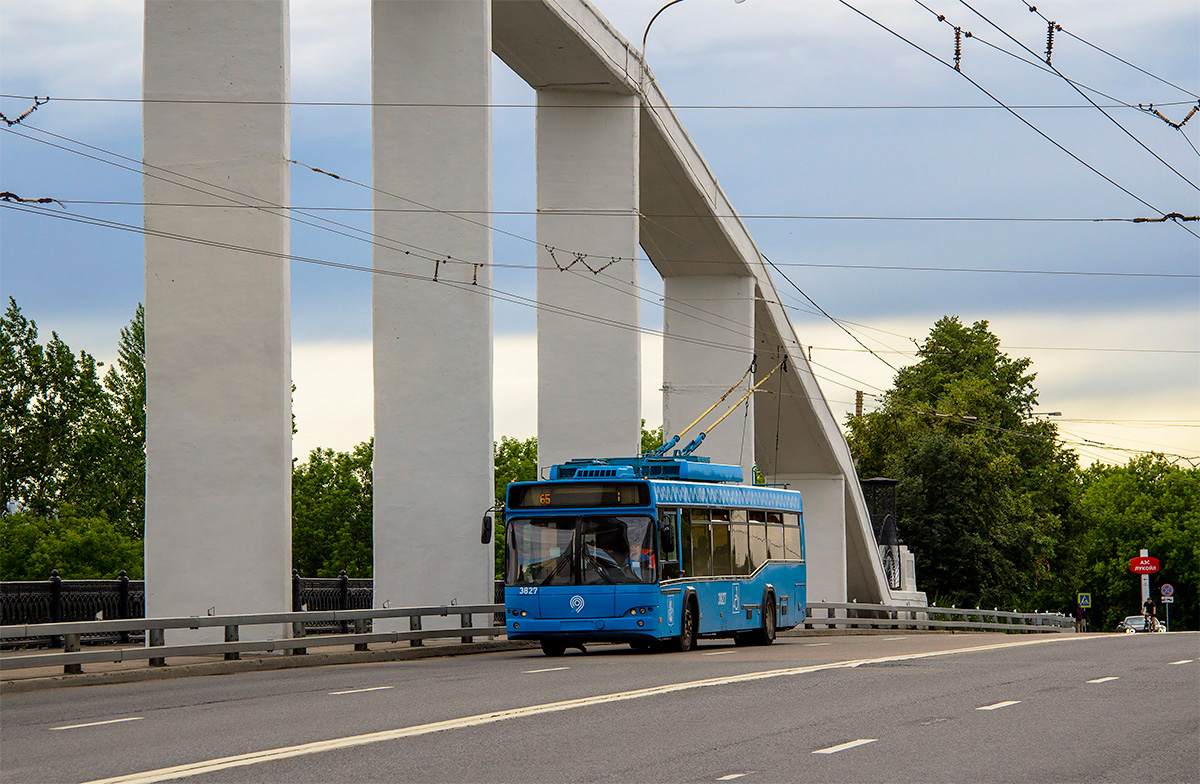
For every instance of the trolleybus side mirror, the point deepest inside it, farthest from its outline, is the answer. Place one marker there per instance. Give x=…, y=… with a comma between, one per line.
x=485, y=529
x=667, y=535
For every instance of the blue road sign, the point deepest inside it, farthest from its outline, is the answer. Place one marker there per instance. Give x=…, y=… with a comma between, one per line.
x=1085, y=600
x=1167, y=590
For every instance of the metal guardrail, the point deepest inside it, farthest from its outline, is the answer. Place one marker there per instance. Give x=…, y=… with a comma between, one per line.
x=72, y=658
x=851, y=615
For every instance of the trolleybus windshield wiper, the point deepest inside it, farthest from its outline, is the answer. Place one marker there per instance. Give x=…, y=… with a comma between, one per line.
x=599, y=566
x=563, y=560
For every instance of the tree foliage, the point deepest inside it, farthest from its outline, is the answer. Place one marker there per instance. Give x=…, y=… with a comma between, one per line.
x=515, y=461
x=332, y=517
x=1147, y=503
x=79, y=545
x=73, y=469
x=985, y=493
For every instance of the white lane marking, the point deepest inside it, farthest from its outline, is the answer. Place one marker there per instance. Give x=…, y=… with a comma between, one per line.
x=97, y=723
x=816, y=644
x=360, y=691
x=998, y=705
x=1184, y=661
x=316, y=747
x=886, y=639
x=721, y=653
x=731, y=777
x=1105, y=680
x=548, y=669
x=843, y=746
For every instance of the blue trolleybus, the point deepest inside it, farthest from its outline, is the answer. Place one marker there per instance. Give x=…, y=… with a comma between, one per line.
x=651, y=551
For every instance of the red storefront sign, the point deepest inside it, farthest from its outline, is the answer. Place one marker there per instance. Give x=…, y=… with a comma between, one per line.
x=1143, y=564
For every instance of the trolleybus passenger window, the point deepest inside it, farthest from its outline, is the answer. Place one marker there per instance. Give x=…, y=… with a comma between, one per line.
x=791, y=536
x=685, y=544
x=701, y=545
x=719, y=515
x=739, y=544
x=775, y=541
x=757, y=517
x=758, y=546
x=775, y=517
x=720, y=549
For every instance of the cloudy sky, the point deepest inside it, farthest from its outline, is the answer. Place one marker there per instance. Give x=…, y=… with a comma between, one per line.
x=888, y=187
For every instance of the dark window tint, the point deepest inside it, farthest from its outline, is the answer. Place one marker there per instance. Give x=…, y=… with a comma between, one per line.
x=791, y=542
x=739, y=544
x=701, y=550
x=758, y=546
x=775, y=541
x=720, y=549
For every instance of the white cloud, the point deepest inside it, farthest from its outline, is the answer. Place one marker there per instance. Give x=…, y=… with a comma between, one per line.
x=1122, y=391
x=334, y=396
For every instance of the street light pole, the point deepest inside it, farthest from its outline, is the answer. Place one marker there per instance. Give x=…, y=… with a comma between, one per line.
x=656, y=15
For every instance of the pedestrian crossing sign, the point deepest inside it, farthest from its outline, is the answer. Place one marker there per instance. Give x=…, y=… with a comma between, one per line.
x=1085, y=600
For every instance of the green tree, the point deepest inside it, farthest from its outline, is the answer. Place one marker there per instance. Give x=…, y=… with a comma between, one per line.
x=515, y=461
x=651, y=439
x=1147, y=503
x=985, y=494
x=332, y=515
x=52, y=406
x=79, y=545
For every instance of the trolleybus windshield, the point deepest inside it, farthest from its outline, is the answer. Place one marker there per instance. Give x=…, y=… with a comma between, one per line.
x=575, y=550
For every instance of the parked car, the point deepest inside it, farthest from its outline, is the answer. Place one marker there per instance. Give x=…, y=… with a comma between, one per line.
x=1137, y=623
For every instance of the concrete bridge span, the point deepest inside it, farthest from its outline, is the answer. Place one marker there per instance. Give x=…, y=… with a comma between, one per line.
x=616, y=171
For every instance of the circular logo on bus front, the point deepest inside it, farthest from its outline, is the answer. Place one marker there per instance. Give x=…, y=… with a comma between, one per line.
x=577, y=603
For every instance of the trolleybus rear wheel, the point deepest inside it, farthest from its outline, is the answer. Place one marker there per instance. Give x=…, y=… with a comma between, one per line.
x=553, y=647
x=766, y=635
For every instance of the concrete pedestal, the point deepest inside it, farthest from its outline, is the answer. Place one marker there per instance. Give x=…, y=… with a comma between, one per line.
x=709, y=325
x=218, y=341
x=432, y=340
x=589, y=368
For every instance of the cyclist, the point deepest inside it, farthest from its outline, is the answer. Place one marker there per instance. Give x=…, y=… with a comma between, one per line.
x=1148, y=614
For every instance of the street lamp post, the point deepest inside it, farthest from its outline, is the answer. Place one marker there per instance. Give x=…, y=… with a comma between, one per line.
x=656, y=15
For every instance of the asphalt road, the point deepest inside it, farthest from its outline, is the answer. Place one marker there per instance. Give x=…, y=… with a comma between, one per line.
x=846, y=709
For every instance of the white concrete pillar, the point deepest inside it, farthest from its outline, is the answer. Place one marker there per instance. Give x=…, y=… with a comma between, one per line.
x=589, y=369
x=432, y=340
x=700, y=311
x=824, y=499
x=218, y=341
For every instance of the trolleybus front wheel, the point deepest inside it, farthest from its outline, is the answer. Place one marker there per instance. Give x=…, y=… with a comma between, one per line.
x=553, y=647
x=686, y=640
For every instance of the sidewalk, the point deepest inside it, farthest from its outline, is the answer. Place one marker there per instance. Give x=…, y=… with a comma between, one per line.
x=13, y=681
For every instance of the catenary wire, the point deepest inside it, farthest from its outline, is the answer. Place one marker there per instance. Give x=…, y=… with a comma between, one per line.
x=1026, y=122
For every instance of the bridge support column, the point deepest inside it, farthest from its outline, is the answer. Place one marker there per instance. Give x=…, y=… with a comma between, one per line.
x=432, y=340
x=589, y=370
x=701, y=311
x=218, y=341
x=824, y=534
